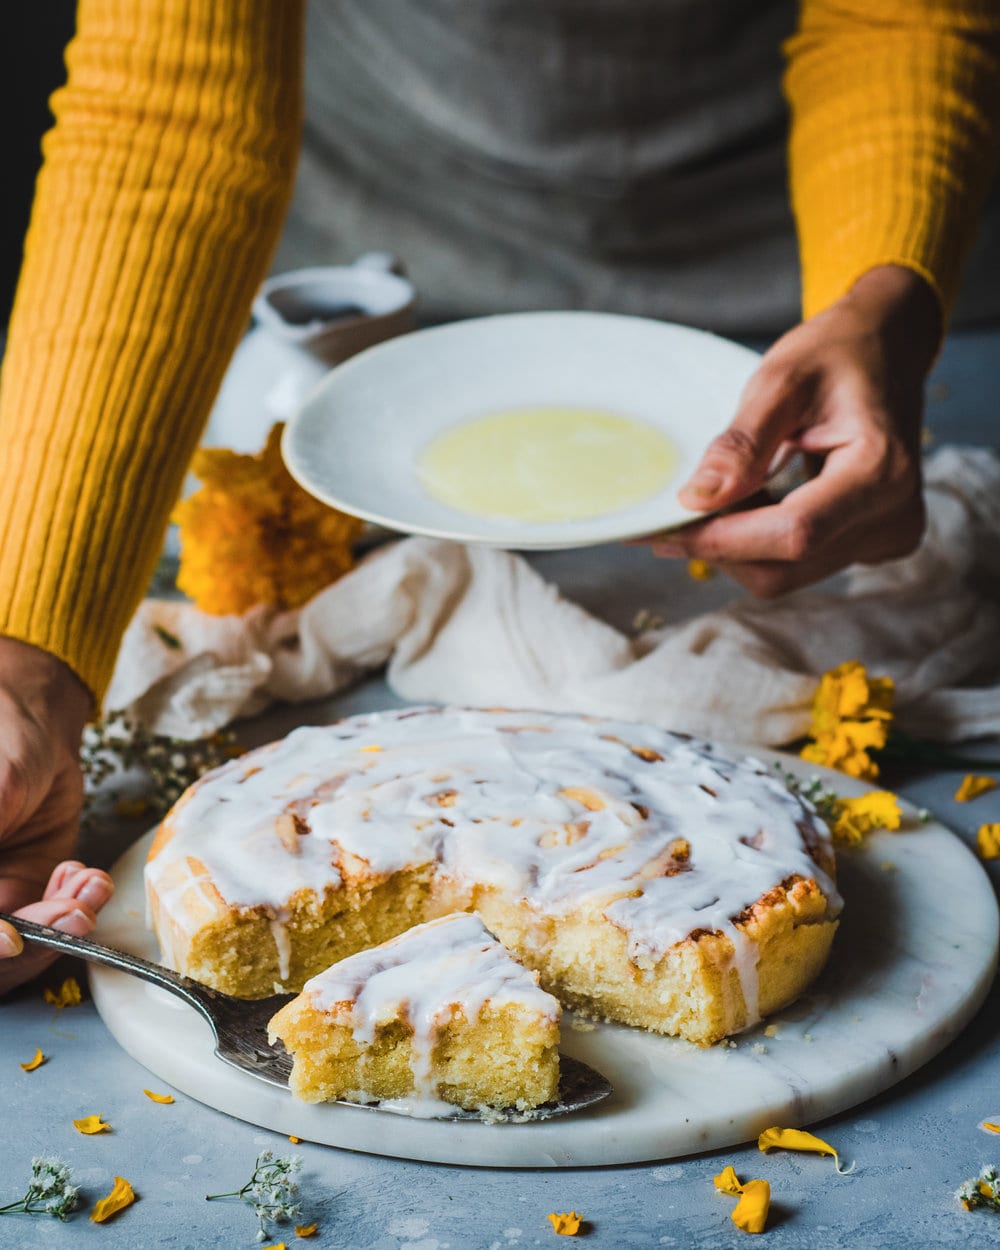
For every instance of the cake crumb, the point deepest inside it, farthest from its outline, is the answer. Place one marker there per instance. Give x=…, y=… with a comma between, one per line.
x=582, y=1026
x=807, y=1037
x=771, y=1030
x=758, y=1048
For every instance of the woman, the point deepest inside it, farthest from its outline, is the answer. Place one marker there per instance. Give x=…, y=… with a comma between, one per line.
x=625, y=155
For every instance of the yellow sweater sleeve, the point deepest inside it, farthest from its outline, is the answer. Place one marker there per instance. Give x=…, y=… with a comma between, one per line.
x=161, y=197
x=895, y=132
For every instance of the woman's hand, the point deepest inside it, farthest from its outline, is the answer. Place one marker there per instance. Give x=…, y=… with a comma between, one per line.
x=43, y=708
x=846, y=388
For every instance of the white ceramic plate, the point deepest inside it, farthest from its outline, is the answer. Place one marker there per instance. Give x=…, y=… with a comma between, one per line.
x=913, y=959
x=357, y=440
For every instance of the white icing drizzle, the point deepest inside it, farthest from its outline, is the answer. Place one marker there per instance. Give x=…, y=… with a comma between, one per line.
x=424, y=977
x=567, y=812
x=283, y=945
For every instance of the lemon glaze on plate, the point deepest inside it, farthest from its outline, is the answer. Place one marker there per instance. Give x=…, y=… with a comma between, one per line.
x=547, y=464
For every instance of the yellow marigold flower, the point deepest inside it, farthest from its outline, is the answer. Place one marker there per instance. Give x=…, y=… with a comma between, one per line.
x=750, y=1213
x=251, y=535
x=68, y=994
x=972, y=787
x=850, y=717
x=700, y=570
x=122, y=1195
x=164, y=1098
x=856, y=817
x=91, y=1124
x=798, y=1139
x=567, y=1224
x=35, y=1062
x=988, y=841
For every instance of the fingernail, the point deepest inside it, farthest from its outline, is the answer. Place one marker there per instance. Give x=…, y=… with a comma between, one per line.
x=75, y=923
x=95, y=893
x=705, y=484
x=10, y=944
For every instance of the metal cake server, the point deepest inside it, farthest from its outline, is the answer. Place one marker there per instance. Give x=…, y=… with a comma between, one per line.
x=240, y=1029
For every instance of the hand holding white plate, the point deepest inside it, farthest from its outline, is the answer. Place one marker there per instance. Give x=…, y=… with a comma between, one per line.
x=533, y=430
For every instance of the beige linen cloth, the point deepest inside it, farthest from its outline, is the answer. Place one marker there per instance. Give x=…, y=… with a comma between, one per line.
x=478, y=626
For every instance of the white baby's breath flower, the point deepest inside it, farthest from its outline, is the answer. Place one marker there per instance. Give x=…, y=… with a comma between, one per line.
x=270, y=1190
x=50, y=1191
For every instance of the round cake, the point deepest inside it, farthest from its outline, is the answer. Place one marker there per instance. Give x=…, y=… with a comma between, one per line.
x=649, y=878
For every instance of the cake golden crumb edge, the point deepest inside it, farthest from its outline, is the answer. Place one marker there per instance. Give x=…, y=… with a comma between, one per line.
x=590, y=965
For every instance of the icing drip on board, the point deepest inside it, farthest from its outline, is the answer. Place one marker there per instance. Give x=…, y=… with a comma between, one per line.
x=661, y=834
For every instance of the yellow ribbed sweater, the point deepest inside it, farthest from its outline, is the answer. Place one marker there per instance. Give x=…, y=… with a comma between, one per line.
x=162, y=195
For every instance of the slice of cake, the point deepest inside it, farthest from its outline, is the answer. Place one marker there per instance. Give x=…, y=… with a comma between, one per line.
x=441, y=1013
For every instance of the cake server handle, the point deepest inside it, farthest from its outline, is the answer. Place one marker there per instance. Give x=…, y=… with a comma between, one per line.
x=192, y=992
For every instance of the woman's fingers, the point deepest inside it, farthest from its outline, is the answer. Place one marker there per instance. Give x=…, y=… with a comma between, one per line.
x=773, y=407
x=68, y=915
x=812, y=521
x=846, y=388
x=73, y=897
x=61, y=874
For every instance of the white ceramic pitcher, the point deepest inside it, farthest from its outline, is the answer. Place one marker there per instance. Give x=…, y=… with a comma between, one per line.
x=306, y=321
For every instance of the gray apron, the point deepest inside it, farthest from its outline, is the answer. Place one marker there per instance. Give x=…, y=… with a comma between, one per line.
x=625, y=155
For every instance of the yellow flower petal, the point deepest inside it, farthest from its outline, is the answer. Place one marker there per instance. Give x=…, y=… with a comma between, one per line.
x=122, y=1195
x=68, y=994
x=750, y=1213
x=34, y=1063
x=700, y=570
x=797, y=1139
x=306, y=1230
x=295, y=1140
x=165, y=1098
x=990, y=1128
x=275, y=1245
x=988, y=841
x=728, y=1182
x=972, y=787
x=856, y=817
x=567, y=1224
x=91, y=1124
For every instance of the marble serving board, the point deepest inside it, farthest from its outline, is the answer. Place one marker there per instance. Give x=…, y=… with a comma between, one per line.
x=912, y=962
